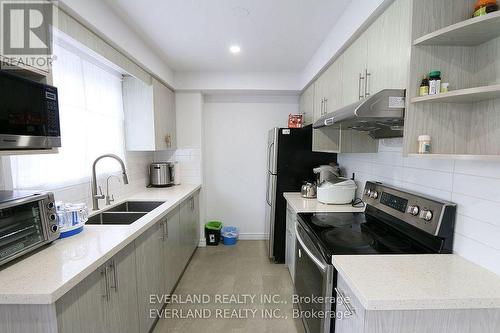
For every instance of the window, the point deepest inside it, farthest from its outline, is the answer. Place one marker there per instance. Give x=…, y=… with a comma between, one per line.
x=92, y=124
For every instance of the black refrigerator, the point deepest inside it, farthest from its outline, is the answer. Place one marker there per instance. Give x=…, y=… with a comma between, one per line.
x=290, y=161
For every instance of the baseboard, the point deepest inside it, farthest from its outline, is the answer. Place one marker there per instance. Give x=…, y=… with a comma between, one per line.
x=202, y=242
x=249, y=236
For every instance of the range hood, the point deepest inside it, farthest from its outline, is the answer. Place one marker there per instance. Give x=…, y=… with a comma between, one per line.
x=381, y=115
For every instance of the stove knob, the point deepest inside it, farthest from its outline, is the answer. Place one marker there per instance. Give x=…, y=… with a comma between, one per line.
x=374, y=194
x=413, y=210
x=426, y=214
x=368, y=192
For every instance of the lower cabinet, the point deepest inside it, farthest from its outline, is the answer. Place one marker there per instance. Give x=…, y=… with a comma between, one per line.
x=150, y=264
x=291, y=220
x=120, y=296
x=106, y=301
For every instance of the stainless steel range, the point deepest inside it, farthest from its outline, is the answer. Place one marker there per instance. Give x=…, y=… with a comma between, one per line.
x=395, y=222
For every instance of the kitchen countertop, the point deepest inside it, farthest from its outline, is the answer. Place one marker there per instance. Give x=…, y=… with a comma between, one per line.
x=46, y=275
x=302, y=205
x=412, y=282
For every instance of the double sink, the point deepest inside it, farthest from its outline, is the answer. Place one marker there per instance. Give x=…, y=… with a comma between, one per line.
x=125, y=213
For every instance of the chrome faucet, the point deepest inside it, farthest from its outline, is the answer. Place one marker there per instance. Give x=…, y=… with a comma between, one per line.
x=110, y=198
x=95, y=196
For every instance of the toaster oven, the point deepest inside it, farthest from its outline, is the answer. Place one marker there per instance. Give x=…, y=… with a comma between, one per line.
x=27, y=221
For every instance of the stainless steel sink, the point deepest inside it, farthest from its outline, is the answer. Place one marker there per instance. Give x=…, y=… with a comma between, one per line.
x=136, y=206
x=115, y=218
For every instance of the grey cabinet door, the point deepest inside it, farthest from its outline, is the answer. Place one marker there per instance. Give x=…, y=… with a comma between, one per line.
x=196, y=221
x=186, y=217
x=164, y=116
x=123, y=312
x=149, y=252
x=84, y=309
x=172, y=250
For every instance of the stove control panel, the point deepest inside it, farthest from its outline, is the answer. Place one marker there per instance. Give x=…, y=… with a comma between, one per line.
x=417, y=210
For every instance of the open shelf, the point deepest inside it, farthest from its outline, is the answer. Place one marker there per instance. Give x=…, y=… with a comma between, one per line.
x=457, y=156
x=470, y=32
x=468, y=95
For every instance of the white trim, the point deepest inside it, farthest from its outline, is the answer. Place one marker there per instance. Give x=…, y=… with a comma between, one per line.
x=251, y=236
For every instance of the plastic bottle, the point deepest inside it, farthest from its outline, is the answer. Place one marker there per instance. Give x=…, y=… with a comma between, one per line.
x=424, y=87
x=434, y=82
x=424, y=144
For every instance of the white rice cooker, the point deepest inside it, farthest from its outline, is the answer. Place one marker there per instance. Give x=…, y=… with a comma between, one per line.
x=337, y=193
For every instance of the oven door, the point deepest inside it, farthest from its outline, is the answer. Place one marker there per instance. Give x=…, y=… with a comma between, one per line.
x=22, y=229
x=314, y=277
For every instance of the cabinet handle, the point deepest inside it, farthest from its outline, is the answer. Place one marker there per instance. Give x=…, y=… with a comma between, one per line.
x=360, y=83
x=104, y=272
x=322, y=107
x=348, y=306
x=367, y=76
x=326, y=106
x=165, y=230
x=115, y=278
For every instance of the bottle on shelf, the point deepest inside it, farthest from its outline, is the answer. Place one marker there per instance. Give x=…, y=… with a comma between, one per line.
x=434, y=82
x=424, y=87
x=484, y=7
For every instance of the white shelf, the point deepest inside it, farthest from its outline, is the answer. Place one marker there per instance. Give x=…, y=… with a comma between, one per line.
x=468, y=95
x=457, y=156
x=470, y=32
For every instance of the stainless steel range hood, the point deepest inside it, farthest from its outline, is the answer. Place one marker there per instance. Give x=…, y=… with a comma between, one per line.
x=381, y=115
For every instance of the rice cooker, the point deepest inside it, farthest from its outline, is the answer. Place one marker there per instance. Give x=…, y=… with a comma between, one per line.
x=337, y=193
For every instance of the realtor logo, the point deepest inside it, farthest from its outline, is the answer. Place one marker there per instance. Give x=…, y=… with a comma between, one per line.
x=26, y=32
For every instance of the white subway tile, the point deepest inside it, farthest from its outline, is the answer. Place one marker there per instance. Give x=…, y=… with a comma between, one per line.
x=476, y=252
x=478, y=168
x=482, y=232
x=477, y=208
x=481, y=187
x=429, y=164
x=433, y=179
x=389, y=158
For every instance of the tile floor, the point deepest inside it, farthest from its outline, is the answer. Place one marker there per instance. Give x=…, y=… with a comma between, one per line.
x=239, y=270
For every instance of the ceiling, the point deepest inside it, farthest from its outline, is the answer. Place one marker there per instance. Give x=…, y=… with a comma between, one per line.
x=195, y=35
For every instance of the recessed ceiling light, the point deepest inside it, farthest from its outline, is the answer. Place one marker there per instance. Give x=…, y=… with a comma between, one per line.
x=235, y=49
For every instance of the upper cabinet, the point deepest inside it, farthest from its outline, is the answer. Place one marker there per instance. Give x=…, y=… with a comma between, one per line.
x=354, y=71
x=378, y=59
x=389, y=41
x=149, y=115
x=306, y=105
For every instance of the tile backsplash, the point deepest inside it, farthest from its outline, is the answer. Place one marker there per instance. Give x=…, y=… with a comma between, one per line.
x=137, y=168
x=474, y=185
x=189, y=161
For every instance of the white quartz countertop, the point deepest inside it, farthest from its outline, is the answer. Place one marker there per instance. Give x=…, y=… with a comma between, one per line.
x=302, y=205
x=412, y=282
x=43, y=277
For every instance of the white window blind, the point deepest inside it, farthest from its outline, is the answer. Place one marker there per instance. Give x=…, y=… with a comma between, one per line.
x=92, y=124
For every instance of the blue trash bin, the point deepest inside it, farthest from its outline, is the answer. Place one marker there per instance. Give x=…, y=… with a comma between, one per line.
x=229, y=235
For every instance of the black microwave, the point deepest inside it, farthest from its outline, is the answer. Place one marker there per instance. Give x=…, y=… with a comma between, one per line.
x=29, y=114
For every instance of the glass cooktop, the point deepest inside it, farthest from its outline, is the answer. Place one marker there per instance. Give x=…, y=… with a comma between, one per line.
x=356, y=233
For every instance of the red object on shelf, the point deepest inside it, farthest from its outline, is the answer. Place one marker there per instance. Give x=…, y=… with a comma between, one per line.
x=295, y=120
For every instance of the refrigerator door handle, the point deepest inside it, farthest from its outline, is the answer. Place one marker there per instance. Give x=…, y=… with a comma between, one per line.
x=269, y=154
x=267, y=188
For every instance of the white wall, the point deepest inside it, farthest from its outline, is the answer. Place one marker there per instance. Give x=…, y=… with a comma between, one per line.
x=235, y=139
x=99, y=17
x=474, y=185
